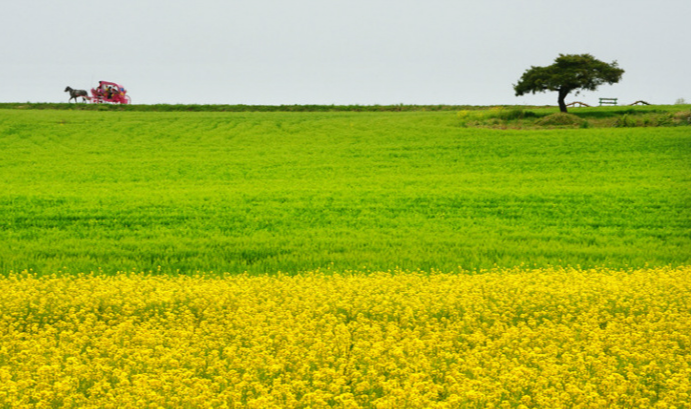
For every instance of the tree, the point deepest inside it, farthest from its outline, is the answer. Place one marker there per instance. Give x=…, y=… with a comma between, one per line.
x=570, y=72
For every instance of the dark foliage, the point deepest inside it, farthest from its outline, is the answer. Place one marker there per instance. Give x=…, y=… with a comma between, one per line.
x=569, y=72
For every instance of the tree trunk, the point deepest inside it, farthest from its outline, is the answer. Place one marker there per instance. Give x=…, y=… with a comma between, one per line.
x=562, y=99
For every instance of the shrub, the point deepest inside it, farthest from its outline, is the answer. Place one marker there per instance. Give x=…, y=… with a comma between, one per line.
x=625, y=121
x=682, y=117
x=560, y=119
x=516, y=113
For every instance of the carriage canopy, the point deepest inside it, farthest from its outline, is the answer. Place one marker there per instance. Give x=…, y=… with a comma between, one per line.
x=107, y=91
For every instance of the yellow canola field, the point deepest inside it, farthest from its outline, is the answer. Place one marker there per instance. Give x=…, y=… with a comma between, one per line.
x=545, y=338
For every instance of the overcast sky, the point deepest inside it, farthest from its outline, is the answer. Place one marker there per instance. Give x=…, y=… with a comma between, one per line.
x=337, y=51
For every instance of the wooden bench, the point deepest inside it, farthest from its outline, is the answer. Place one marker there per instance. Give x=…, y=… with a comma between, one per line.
x=608, y=101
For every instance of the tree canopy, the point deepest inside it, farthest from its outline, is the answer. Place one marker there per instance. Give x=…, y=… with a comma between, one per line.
x=570, y=72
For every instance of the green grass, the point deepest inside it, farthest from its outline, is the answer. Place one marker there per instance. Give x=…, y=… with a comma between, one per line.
x=293, y=191
x=595, y=117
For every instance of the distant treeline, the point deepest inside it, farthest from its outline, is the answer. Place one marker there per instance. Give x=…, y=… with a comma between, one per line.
x=240, y=108
x=474, y=116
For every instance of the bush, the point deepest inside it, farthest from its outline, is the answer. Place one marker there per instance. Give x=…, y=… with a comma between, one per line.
x=682, y=118
x=511, y=114
x=625, y=121
x=560, y=119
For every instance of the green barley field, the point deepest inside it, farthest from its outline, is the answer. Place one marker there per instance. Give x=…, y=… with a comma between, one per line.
x=121, y=190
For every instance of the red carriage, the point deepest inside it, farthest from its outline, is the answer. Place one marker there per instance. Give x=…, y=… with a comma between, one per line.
x=110, y=92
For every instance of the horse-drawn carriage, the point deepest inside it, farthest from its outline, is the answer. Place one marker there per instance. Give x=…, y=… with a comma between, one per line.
x=104, y=92
x=110, y=92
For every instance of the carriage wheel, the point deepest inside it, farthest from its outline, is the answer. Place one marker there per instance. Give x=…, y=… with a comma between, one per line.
x=128, y=99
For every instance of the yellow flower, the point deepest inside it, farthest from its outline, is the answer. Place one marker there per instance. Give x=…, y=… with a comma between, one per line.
x=556, y=337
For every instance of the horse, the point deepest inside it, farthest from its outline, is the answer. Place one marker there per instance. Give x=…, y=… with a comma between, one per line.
x=76, y=93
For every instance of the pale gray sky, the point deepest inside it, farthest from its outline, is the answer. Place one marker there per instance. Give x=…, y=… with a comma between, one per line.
x=337, y=51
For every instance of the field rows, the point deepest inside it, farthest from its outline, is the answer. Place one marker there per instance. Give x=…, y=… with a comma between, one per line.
x=343, y=259
x=263, y=192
